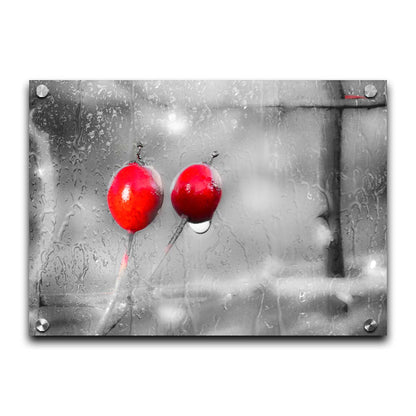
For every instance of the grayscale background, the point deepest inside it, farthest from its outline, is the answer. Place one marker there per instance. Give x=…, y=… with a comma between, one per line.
x=297, y=245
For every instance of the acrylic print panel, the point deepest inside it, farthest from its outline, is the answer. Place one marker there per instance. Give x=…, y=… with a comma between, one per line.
x=208, y=208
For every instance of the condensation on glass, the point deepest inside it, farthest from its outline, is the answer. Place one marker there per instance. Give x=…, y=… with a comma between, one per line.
x=297, y=245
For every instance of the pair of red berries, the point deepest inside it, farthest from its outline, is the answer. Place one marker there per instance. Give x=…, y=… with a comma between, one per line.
x=136, y=194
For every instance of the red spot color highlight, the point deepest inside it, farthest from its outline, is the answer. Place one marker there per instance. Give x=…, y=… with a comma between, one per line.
x=124, y=262
x=135, y=196
x=197, y=192
x=353, y=97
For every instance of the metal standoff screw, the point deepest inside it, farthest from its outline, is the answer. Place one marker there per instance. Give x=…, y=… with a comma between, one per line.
x=42, y=325
x=42, y=91
x=370, y=91
x=370, y=325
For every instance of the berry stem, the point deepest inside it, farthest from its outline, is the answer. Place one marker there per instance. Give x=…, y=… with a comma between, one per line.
x=176, y=233
x=110, y=318
x=139, y=159
x=170, y=244
x=112, y=315
x=214, y=154
x=139, y=150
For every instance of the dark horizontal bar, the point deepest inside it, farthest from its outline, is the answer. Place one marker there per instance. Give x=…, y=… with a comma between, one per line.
x=349, y=103
x=301, y=103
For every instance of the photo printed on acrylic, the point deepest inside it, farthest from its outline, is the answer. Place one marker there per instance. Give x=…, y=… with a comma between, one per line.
x=207, y=208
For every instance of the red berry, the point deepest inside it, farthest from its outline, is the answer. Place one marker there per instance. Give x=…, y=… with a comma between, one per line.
x=196, y=192
x=135, y=196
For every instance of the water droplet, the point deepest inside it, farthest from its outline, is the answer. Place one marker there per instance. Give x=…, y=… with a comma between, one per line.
x=227, y=299
x=201, y=227
x=302, y=297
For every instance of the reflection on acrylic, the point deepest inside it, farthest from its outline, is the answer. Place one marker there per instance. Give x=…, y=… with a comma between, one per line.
x=279, y=230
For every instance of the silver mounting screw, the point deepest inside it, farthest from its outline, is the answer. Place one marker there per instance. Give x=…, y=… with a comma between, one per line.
x=42, y=91
x=42, y=325
x=370, y=91
x=370, y=325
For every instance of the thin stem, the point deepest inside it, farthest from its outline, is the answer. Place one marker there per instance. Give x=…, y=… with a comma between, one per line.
x=176, y=234
x=171, y=243
x=140, y=146
x=214, y=154
x=112, y=314
x=150, y=286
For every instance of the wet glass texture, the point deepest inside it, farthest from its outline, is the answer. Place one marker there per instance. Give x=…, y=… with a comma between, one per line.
x=297, y=245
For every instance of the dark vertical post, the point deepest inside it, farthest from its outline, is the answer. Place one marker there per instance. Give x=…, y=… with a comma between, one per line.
x=330, y=183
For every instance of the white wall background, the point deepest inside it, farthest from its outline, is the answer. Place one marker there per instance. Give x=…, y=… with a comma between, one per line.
x=180, y=39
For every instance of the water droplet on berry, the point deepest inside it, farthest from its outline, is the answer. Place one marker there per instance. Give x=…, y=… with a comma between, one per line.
x=201, y=227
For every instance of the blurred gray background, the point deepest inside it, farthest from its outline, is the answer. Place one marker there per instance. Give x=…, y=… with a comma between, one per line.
x=297, y=245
